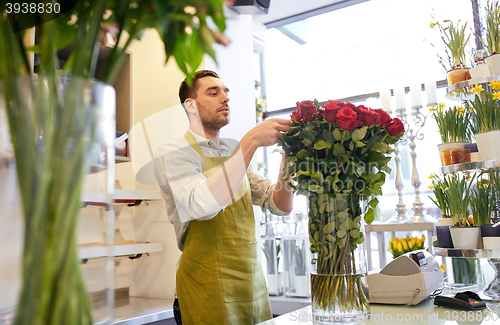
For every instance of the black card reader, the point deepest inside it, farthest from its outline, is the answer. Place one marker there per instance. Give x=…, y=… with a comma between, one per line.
x=466, y=300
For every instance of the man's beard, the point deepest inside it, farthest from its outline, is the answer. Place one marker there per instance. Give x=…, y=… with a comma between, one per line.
x=214, y=125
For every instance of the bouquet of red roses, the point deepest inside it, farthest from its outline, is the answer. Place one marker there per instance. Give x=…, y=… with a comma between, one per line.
x=337, y=155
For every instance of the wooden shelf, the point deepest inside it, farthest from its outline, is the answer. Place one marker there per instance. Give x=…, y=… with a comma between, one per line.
x=118, y=250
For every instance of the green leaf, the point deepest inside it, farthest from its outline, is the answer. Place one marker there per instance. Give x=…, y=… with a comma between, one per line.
x=321, y=144
x=349, y=223
x=339, y=149
x=328, y=136
x=341, y=233
x=355, y=233
x=381, y=147
x=351, y=146
x=359, y=134
x=337, y=135
x=316, y=188
x=330, y=228
x=369, y=216
x=373, y=203
x=360, y=144
x=302, y=154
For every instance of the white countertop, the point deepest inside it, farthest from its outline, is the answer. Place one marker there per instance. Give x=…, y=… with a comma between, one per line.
x=422, y=314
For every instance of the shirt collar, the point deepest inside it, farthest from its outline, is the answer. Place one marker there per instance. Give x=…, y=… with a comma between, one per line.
x=202, y=141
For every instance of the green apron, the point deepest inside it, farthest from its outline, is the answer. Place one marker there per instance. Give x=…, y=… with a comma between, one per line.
x=220, y=279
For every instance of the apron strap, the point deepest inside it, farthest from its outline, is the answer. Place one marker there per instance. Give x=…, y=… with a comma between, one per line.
x=192, y=142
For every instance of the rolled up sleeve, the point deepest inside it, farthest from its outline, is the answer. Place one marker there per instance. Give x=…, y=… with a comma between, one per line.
x=262, y=193
x=185, y=183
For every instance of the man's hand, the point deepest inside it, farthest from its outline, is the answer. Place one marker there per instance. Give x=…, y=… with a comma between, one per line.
x=268, y=132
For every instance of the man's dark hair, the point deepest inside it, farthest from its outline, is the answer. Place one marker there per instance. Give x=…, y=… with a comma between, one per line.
x=186, y=91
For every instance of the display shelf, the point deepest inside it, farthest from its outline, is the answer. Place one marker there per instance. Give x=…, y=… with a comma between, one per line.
x=464, y=90
x=470, y=166
x=119, y=159
x=99, y=251
x=492, y=289
x=467, y=253
x=120, y=197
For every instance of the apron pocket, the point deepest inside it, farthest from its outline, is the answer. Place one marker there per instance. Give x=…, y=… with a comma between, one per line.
x=241, y=275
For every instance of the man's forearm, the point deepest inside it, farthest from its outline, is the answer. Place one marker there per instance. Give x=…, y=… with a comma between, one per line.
x=225, y=182
x=283, y=193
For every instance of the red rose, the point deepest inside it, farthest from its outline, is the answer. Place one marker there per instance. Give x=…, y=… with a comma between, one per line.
x=295, y=116
x=307, y=110
x=331, y=110
x=383, y=119
x=347, y=119
x=366, y=115
x=396, y=127
x=348, y=105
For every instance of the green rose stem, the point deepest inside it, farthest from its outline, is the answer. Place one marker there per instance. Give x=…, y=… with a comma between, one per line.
x=336, y=281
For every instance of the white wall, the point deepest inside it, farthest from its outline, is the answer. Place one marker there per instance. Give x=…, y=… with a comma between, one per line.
x=234, y=66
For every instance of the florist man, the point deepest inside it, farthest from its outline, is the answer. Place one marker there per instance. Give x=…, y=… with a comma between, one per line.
x=209, y=190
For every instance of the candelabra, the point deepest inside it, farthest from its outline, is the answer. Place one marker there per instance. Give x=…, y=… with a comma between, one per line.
x=400, y=217
x=412, y=133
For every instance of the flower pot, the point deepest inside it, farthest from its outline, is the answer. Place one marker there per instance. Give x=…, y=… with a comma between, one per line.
x=445, y=221
x=488, y=144
x=446, y=152
x=338, y=277
x=493, y=62
x=301, y=285
x=275, y=284
x=465, y=238
x=457, y=75
x=491, y=236
x=444, y=237
x=479, y=71
x=490, y=231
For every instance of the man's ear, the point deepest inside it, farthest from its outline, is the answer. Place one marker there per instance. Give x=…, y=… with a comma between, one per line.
x=190, y=105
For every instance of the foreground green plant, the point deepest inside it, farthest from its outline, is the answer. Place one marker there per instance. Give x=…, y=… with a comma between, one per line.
x=53, y=121
x=456, y=40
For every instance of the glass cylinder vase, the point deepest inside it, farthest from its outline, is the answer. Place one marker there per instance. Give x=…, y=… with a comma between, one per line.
x=339, y=293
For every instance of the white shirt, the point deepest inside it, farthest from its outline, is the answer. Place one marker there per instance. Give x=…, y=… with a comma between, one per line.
x=187, y=196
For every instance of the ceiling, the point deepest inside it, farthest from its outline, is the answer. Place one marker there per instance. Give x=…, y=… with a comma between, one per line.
x=280, y=9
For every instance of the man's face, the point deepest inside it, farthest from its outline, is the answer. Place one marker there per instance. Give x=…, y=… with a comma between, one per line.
x=212, y=103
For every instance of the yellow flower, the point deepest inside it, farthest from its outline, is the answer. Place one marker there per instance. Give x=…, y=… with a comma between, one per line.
x=430, y=187
x=432, y=24
x=400, y=247
x=405, y=245
x=461, y=111
x=390, y=245
x=467, y=177
x=443, y=268
x=423, y=237
x=432, y=109
x=441, y=106
x=419, y=244
x=495, y=85
x=410, y=245
x=478, y=89
x=471, y=107
x=496, y=95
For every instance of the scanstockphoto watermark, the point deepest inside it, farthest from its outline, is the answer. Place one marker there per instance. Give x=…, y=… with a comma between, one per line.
x=296, y=316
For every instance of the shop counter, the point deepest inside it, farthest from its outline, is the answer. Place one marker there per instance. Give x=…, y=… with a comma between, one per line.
x=422, y=314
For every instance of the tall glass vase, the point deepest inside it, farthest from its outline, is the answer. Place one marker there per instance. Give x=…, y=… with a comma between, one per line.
x=339, y=292
x=61, y=129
